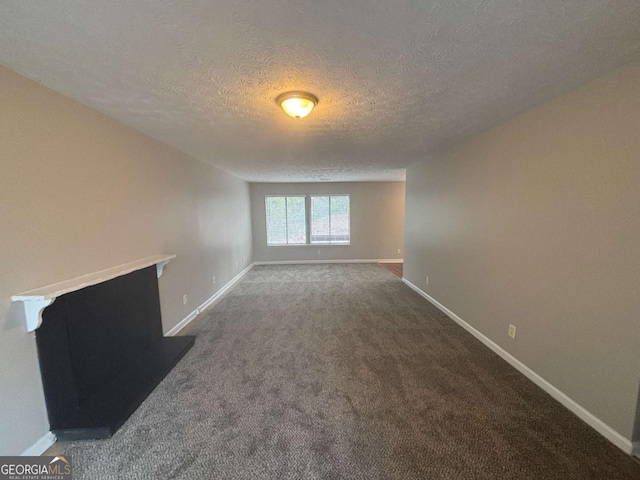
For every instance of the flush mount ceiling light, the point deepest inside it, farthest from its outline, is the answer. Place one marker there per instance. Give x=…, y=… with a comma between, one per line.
x=297, y=104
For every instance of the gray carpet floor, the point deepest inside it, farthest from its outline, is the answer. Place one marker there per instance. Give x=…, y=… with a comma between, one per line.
x=341, y=371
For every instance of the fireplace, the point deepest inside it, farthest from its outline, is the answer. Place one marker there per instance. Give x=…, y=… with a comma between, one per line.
x=102, y=352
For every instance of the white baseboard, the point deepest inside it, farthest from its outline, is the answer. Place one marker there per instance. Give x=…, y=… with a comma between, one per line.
x=210, y=301
x=40, y=446
x=602, y=428
x=308, y=262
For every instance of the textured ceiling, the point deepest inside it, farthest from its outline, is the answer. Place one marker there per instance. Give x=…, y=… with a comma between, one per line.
x=396, y=79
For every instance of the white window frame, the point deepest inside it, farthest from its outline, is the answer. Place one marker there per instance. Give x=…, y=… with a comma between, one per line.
x=306, y=220
x=329, y=195
x=307, y=213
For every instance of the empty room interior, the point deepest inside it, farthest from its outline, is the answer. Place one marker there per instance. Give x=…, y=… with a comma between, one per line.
x=320, y=240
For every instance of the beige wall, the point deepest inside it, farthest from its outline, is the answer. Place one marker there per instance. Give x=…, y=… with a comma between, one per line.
x=80, y=192
x=377, y=221
x=537, y=223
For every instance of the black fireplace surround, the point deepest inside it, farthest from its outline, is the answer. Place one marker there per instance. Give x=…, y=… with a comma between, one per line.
x=102, y=352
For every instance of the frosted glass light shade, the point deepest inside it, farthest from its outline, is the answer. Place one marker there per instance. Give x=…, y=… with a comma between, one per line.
x=297, y=104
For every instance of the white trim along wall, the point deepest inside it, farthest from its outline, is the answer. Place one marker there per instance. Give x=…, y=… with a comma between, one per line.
x=602, y=428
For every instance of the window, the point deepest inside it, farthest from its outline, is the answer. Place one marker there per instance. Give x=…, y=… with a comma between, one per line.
x=330, y=219
x=305, y=220
x=286, y=220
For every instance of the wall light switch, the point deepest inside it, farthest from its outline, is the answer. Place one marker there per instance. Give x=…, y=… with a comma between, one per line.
x=398, y=251
x=184, y=299
x=426, y=280
x=512, y=331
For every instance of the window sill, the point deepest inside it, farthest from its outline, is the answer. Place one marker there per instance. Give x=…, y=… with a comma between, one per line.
x=311, y=245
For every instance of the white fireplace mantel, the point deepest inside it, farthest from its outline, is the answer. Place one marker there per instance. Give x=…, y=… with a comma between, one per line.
x=35, y=301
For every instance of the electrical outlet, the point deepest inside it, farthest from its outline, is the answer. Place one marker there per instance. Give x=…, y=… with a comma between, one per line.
x=318, y=252
x=512, y=331
x=184, y=299
x=426, y=280
x=214, y=279
x=236, y=263
x=398, y=251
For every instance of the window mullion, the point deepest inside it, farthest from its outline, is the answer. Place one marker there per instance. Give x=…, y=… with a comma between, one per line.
x=307, y=217
x=286, y=220
x=330, y=213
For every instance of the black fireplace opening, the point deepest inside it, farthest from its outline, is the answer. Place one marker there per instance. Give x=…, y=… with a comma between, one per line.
x=102, y=352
